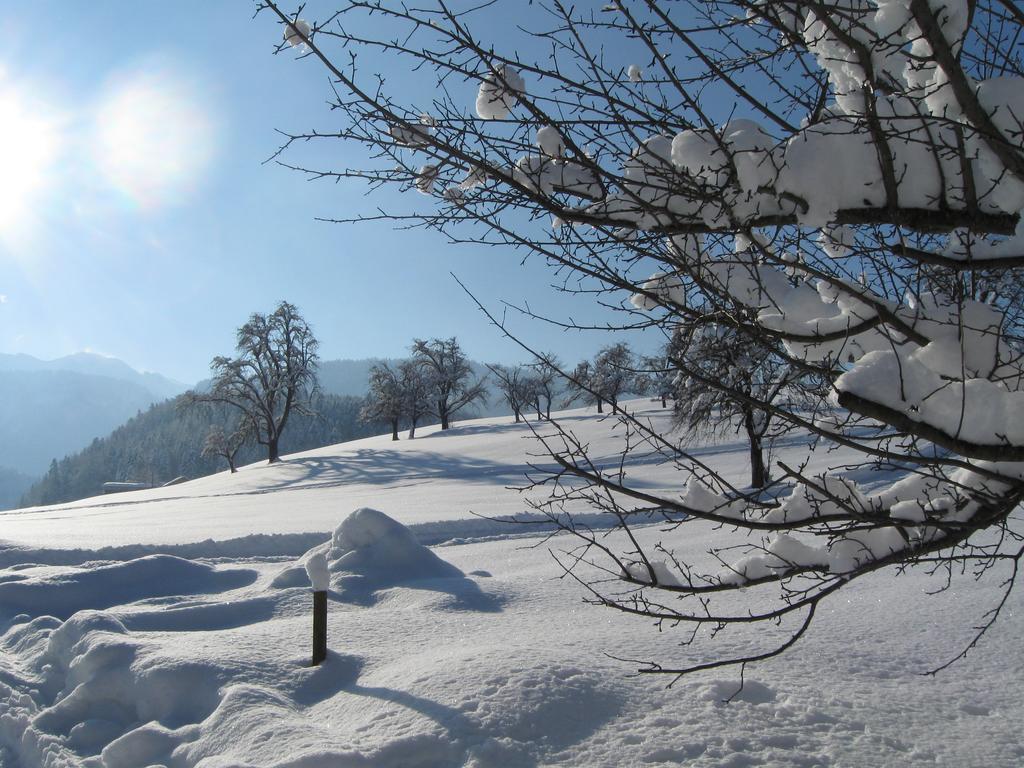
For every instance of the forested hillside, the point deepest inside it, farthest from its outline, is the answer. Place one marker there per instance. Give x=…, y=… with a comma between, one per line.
x=166, y=442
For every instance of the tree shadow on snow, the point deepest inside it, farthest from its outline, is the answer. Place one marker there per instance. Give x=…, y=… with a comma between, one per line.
x=478, y=429
x=389, y=467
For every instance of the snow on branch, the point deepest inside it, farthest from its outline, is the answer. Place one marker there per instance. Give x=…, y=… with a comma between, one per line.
x=813, y=206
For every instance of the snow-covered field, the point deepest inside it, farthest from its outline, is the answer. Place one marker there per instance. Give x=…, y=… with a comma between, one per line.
x=172, y=627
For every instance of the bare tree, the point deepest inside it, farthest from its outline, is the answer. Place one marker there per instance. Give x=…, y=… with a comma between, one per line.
x=547, y=382
x=830, y=179
x=582, y=387
x=272, y=377
x=220, y=444
x=450, y=377
x=514, y=385
x=660, y=375
x=613, y=373
x=746, y=372
x=385, y=400
x=416, y=392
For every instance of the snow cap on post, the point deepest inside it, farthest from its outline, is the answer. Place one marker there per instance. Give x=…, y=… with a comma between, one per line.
x=316, y=569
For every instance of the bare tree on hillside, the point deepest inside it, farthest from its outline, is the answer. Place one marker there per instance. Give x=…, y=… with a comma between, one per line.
x=613, y=373
x=416, y=391
x=581, y=387
x=515, y=386
x=451, y=379
x=547, y=382
x=219, y=444
x=832, y=180
x=660, y=374
x=747, y=373
x=272, y=376
x=385, y=400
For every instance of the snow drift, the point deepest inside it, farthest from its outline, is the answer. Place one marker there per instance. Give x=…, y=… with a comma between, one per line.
x=64, y=592
x=368, y=551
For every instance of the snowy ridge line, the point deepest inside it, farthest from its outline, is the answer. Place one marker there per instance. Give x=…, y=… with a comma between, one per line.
x=284, y=545
x=254, y=545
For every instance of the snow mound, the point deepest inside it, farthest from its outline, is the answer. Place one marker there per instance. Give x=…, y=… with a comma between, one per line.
x=63, y=592
x=369, y=551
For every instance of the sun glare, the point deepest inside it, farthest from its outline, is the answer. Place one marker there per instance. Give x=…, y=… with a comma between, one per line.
x=153, y=136
x=28, y=148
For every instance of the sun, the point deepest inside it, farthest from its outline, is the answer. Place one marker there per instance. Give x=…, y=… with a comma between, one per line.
x=29, y=142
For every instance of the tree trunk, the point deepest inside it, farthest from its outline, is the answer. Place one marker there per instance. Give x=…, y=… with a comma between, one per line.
x=231, y=463
x=442, y=411
x=412, y=429
x=519, y=416
x=758, y=474
x=664, y=403
x=272, y=450
x=600, y=405
x=394, y=429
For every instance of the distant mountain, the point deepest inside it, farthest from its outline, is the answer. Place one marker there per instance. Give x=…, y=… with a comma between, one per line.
x=49, y=408
x=96, y=365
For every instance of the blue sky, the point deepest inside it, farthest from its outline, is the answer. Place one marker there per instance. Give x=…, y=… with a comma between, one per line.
x=139, y=220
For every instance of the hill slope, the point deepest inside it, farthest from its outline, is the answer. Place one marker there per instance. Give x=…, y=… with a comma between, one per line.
x=477, y=655
x=438, y=477
x=165, y=442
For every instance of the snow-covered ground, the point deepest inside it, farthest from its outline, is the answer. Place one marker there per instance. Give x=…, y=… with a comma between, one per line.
x=172, y=627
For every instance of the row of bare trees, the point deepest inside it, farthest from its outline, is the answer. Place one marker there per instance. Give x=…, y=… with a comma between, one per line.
x=437, y=380
x=532, y=386
x=545, y=382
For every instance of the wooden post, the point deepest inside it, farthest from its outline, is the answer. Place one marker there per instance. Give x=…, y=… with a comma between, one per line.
x=319, y=626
